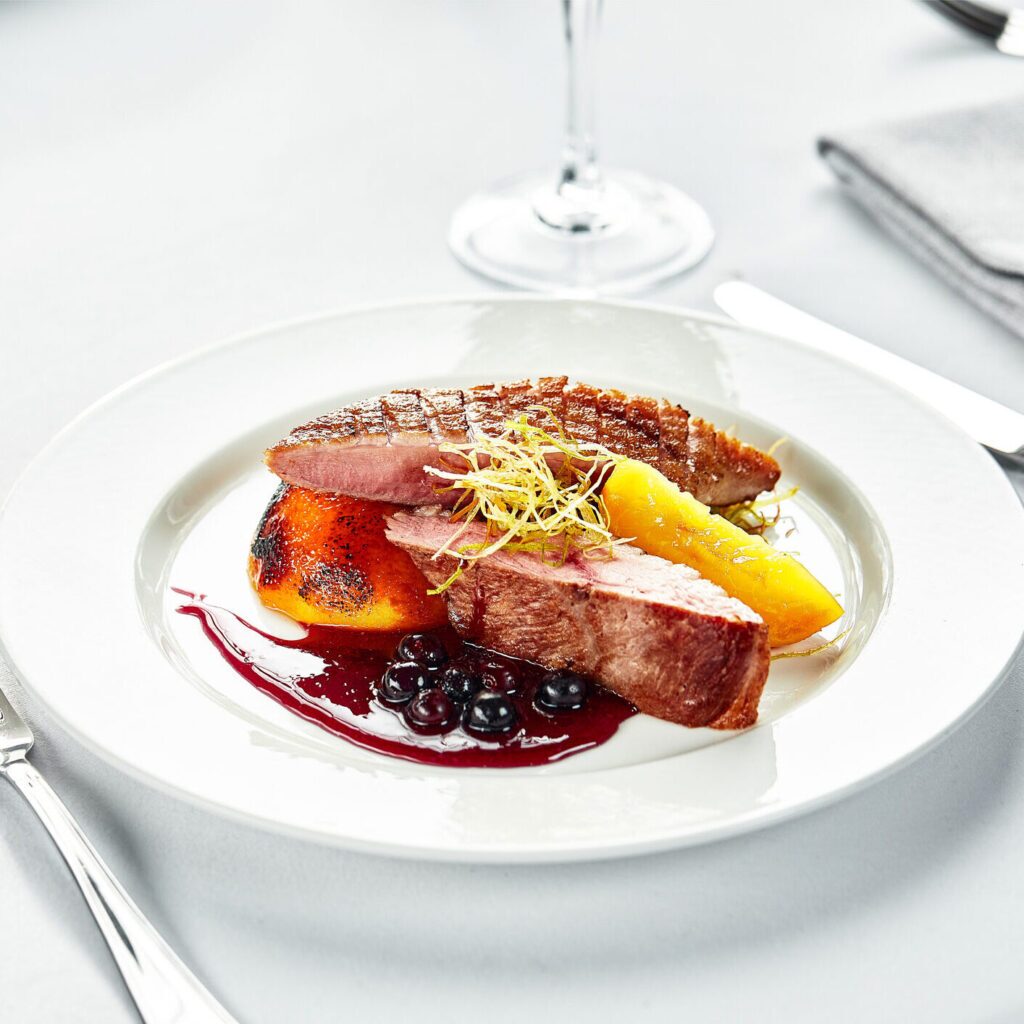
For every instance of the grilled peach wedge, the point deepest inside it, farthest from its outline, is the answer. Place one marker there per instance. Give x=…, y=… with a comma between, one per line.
x=666, y=521
x=323, y=558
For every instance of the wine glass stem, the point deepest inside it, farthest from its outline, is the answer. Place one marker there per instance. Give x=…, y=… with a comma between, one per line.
x=581, y=202
x=579, y=157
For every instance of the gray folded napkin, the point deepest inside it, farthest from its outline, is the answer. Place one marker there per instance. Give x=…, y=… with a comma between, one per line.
x=950, y=187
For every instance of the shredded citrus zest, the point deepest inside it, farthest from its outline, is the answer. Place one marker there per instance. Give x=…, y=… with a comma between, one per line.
x=749, y=515
x=810, y=652
x=535, y=487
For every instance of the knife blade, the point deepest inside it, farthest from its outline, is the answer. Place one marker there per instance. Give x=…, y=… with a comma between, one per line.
x=996, y=426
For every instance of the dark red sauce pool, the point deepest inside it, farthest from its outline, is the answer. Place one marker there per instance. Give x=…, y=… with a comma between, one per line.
x=330, y=675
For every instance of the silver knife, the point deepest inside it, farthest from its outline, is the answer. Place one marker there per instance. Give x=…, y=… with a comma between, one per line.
x=996, y=426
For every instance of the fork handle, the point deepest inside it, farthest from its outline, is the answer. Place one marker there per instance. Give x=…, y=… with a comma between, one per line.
x=163, y=988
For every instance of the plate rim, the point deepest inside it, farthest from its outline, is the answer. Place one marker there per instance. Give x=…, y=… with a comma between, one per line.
x=752, y=819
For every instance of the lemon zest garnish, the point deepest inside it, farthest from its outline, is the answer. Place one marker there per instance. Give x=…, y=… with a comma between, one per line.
x=536, y=488
x=810, y=652
x=749, y=515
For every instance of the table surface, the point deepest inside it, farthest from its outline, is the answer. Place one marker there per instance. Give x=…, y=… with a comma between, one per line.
x=174, y=174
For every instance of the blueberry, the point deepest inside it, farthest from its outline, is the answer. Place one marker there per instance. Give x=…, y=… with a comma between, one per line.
x=561, y=691
x=500, y=678
x=431, y=678
x=489, y=712
x=423, y=648
x=400, y=682
x=430, y=711
x=459, y=682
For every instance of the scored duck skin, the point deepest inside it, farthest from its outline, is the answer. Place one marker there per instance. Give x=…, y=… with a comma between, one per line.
x=658, y=634
x=377, y=448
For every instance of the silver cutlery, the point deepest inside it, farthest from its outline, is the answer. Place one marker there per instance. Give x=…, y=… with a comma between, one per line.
x=997, y=427
x=165, y=991
x=1004, y=27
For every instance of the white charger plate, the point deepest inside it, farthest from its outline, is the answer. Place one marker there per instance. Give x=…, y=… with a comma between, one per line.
x=161, y=483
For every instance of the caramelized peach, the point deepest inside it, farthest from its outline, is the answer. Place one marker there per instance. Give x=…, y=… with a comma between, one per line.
x=323, y=558
x=665, y=521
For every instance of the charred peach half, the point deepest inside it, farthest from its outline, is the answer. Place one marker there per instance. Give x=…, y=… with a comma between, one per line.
x=323, y=558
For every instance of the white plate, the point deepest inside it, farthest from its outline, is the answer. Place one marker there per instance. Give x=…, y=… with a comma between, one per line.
x=161, y=484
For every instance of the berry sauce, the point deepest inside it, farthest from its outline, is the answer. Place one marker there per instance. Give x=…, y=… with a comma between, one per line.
x=332, y=676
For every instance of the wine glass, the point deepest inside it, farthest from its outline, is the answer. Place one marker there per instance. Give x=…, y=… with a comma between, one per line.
x=582, y=229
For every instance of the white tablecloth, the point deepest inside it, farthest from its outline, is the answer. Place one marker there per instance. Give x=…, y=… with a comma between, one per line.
x=173, y=174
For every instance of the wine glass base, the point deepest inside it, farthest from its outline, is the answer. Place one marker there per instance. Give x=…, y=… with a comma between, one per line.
x=661, y=232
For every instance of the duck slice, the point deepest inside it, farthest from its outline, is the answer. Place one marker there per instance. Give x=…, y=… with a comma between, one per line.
x=658, y=634
x=378, y=448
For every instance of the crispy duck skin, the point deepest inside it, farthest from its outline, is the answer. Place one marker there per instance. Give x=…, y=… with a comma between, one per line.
x=377, y=448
